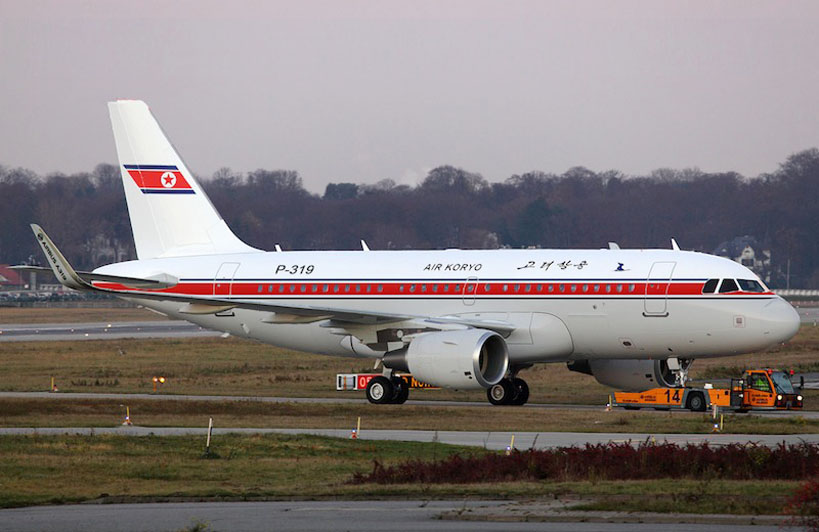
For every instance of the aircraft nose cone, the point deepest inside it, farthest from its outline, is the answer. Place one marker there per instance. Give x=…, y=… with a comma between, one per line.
x=781, y=320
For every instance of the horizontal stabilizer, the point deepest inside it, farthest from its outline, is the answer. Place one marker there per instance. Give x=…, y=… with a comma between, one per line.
x=158, y=281
x=71, y=278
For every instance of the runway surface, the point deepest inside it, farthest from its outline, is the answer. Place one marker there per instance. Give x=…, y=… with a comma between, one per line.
x=488, y=440
x=457, y=515
x=348, y=398
x=102, y=331
x=161, y=329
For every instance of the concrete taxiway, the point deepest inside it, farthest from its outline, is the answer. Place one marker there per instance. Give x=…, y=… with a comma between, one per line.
x=102, y=331
x=413, y=515
x=487, y=440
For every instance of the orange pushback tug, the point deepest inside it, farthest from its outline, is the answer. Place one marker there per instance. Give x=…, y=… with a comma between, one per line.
x=758, y=389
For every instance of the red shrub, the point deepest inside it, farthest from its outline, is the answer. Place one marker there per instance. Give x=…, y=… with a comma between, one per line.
x=612, y=461
x=804, y=506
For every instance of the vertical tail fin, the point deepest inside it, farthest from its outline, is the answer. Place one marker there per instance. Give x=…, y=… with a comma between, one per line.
x=170, y=213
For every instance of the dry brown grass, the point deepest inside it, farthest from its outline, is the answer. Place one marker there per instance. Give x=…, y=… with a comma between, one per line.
x=216, y=366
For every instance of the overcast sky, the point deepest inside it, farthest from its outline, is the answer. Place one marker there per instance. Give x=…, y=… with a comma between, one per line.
x=366, y=90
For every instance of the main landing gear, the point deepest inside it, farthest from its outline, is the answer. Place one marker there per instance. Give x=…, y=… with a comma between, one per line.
x=381, y=390
x=509, y=391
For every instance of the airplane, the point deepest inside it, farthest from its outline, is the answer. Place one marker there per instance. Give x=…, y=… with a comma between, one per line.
x=461, y=319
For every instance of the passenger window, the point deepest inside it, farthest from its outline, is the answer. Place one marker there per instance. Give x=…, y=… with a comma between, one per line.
x=749, y=285
x=528, y=288
x=325, y=288
x=728, y=285
x=380, y=288
x=260, y=289
x=574, y=288
x=710, y=286
x=551, y=288
x=270, y=288
x=303, y=288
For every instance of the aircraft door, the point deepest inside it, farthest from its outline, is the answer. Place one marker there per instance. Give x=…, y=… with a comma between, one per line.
x=657, y=284
x=224, y=278
x=470, y=287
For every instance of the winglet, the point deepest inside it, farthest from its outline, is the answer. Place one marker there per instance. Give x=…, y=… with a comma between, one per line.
x=61, y=268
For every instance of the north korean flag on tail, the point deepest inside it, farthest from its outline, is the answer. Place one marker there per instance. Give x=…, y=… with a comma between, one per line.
x=159, y=179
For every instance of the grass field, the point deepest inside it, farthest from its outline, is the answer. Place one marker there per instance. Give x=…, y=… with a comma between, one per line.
x=107, y=413
x=63, y=469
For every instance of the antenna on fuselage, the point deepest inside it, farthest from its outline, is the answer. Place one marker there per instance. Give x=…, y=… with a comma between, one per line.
x=613, y=245
x=364, y=246
x=278, y=248
x=674, y=245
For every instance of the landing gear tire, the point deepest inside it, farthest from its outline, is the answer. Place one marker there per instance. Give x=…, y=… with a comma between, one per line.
x=401, y=392
x=501, y=393
x=521, y=392
x=696, y=403
x=508, y=392
x=380, y=390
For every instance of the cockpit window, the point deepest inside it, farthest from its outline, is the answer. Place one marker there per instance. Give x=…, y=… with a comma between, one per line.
x=710, y=286
x=782, y=383
x=748, y=285
x=728, y=285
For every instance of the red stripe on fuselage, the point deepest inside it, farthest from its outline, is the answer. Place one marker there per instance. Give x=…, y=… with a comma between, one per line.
x=275, y=289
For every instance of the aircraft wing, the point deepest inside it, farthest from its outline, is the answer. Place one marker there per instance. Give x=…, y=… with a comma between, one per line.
x=194, y=304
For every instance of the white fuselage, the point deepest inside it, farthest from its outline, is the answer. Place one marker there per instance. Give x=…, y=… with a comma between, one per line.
x=565, y=304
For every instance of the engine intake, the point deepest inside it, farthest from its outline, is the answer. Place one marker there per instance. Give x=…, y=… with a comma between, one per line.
x=463, y=359
x=631, y=374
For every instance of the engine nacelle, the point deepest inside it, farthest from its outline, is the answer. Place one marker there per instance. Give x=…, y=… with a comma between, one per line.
x=463, y=359
x=630, y=374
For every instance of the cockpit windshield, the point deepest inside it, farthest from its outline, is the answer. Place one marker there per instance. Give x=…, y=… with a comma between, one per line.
x=782, y=382
x=749, y=285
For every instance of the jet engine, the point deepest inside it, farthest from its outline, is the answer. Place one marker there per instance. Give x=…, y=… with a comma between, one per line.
x=463, y=359
x=631, y=374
